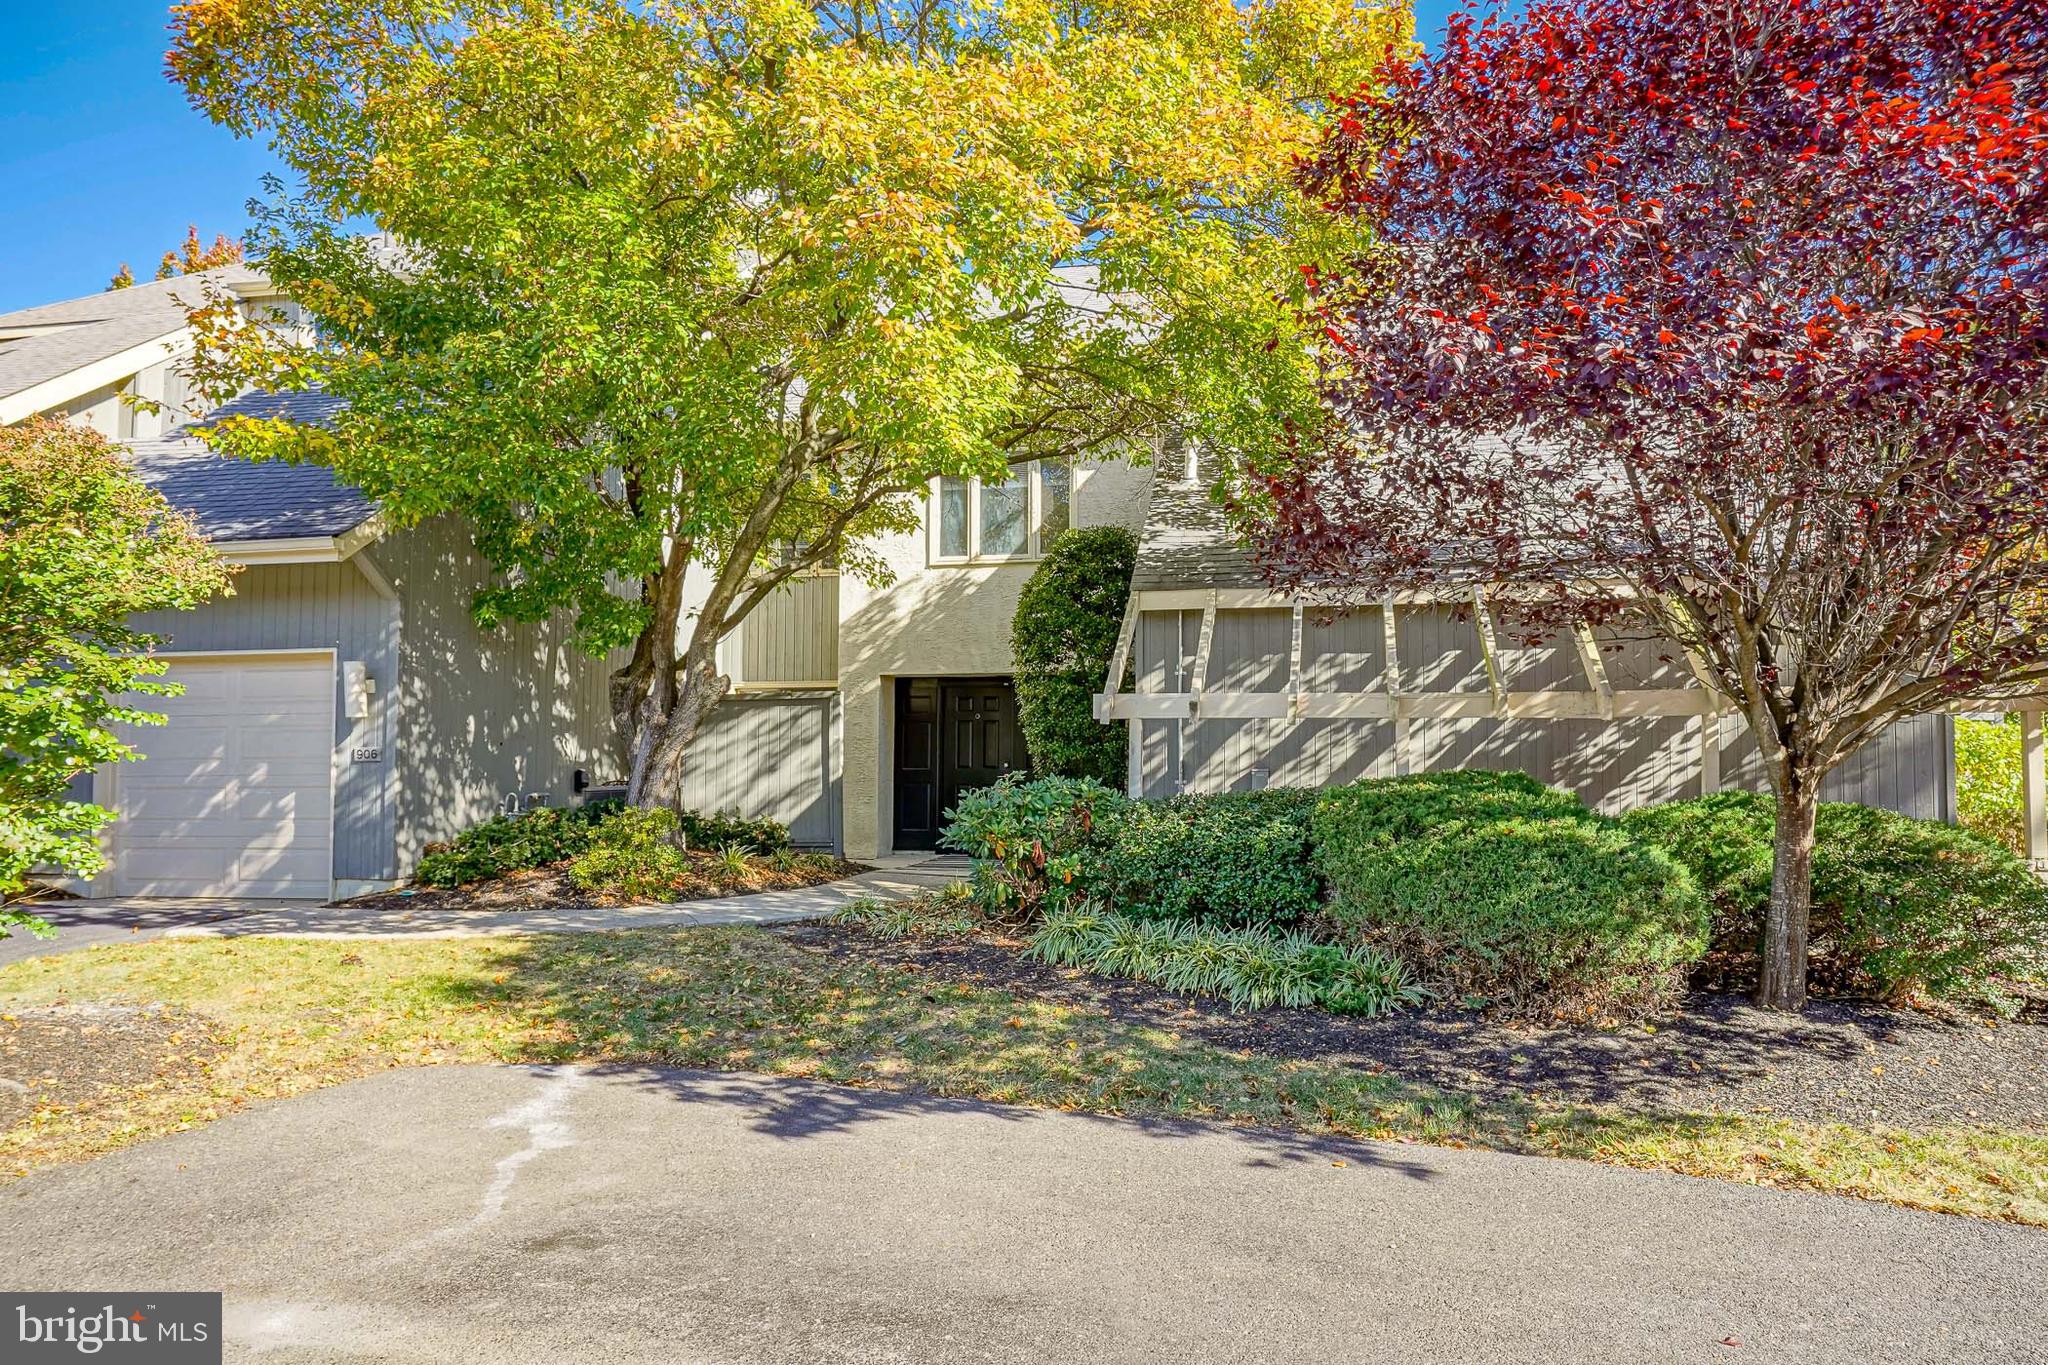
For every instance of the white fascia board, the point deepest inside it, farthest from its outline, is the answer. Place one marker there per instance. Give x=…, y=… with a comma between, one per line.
x=280, y=550
x=303, y=549
x=98, y=374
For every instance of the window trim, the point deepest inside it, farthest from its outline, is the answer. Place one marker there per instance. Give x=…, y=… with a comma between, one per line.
x=1034, y=516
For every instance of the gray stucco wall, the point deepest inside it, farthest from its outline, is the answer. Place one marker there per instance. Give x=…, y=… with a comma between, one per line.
x=482, y=717
x=317, y=606
x=1615, y=765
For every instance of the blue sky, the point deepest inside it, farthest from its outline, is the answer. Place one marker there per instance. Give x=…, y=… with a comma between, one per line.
x=102, y=161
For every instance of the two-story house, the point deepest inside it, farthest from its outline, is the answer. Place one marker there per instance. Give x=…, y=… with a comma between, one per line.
x=342, y=710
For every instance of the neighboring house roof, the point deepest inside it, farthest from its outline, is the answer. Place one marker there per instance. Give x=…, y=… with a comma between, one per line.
x=1186, y=544
x=236, y=500
x=46, y=343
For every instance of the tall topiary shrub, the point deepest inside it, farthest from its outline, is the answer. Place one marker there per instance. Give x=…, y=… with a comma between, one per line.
x=1063, y=634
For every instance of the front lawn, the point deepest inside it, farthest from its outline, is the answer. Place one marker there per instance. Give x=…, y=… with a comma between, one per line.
x=277, y=1017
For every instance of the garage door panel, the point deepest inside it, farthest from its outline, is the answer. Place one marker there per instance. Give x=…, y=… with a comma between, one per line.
x=235, y=796
x=272, y=804
x=182, y=743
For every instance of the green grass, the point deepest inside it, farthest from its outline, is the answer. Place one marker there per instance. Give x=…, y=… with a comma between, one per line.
x=296, y=1015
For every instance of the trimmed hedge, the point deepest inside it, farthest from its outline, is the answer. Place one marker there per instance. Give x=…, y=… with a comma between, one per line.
x=1534, y=915
x=1354, y=824
x=1062, y=637
x=1236, y=858
x=1902, y=908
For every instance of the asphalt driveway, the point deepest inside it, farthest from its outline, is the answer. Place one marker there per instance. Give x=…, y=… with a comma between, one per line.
x=512, y=1214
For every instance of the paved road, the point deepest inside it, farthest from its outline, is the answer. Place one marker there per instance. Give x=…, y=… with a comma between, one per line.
x=85, y=924
x=511, y=1214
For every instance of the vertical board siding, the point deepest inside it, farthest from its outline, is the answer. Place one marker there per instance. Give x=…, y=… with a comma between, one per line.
x=793, y=636
x=1615, y=765
x=318, y=606
x=771, y=755
x=484, y=717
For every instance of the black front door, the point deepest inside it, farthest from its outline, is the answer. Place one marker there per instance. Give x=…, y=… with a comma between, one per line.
x=951, y=736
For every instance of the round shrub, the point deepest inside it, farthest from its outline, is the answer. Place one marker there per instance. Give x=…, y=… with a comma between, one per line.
x=1902, y=908
x=1235, y=858
x=633, y=853
x=1062, y=636
x=1551, y=916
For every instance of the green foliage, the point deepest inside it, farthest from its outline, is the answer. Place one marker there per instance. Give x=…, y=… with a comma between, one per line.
x=1352, y=823
x=1062, y=637
x=1029, y=839
x=83, y=546
x=1251, y=968
x=1242, y=858
x=752, y=835
x=1902, y=908
x=632, y=852
x=509, y=843
x=1988, y=793
x=1554, y=916
x=946, y=913
x=548, y=835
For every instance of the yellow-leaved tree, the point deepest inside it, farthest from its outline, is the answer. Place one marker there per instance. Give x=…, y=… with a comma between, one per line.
x=679, y=286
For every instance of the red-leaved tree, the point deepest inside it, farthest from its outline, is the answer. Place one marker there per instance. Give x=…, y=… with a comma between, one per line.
x=1732, y=318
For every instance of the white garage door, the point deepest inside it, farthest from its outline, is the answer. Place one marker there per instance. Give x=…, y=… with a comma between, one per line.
x=235, y=794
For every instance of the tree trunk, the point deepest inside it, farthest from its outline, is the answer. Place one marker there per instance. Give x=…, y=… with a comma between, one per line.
x=1781, y=979
x=664, y=733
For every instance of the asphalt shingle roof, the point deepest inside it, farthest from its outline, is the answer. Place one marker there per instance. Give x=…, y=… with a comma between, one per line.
x=76, y=332
x=241, y=500
x=1185, y=544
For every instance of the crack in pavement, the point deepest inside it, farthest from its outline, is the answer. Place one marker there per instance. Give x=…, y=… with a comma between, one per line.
x=546, y=1131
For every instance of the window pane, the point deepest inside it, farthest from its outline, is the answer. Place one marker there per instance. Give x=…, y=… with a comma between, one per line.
x=1054, y=482
x=952, y=518
x=1003, y=515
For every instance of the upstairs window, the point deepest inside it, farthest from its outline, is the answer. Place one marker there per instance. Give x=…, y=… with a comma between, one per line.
x=1015, y=517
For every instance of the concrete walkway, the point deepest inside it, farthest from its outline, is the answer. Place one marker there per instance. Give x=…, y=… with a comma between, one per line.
x=653, y=1217
x=83, y=924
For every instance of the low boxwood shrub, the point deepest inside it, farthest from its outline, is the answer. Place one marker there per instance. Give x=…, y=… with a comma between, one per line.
x=1543, y=916
x=507, y=843
x=757, y=834
x=1237, y=858
x=1902, y=908
x=1251, y=968
x=1030, y=840
x=547, y=835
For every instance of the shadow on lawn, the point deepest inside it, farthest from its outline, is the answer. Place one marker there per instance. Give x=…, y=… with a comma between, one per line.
x=1716, y=1047
x=808, y=1047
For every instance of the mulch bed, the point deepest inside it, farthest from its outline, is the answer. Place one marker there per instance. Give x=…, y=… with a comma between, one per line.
x=1848, y=1062
x=68, y=1054
x=549, y=888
